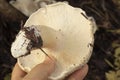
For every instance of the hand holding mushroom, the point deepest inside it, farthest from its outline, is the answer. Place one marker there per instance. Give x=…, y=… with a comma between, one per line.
x=57, y=30
x=43, y=70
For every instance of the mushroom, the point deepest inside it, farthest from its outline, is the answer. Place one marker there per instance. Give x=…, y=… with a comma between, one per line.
x=27, y=7
x=57, y=30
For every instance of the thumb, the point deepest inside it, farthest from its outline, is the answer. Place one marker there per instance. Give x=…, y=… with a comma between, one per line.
x=41, y=71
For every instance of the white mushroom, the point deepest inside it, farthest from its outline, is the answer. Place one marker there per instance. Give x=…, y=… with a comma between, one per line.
x=27, y=7
x=61, y=31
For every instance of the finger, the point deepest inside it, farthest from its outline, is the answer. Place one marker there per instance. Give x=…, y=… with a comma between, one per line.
x=41, y=71
x=17, y=73
x=79, y=74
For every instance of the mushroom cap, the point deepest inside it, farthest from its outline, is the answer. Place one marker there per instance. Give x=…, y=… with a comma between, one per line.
x=67, y=34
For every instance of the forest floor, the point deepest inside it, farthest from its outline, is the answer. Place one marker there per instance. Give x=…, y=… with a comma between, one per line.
x=105, y=60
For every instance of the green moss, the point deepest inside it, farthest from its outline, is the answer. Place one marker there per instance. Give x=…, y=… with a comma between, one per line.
x=113, y=75
x=7, y=77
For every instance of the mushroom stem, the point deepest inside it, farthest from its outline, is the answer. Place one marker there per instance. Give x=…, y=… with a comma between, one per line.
x=35, y=37
x=19, y=47
x=50, y=36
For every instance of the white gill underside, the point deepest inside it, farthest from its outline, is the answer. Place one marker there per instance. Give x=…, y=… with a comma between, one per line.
x=71, y=33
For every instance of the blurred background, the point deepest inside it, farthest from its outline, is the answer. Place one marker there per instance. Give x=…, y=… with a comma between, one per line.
x=105, y=61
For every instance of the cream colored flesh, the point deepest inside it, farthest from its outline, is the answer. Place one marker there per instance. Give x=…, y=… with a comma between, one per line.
x=66, y=34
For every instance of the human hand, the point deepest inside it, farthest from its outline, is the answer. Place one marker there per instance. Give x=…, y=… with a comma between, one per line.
x=43, y=70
